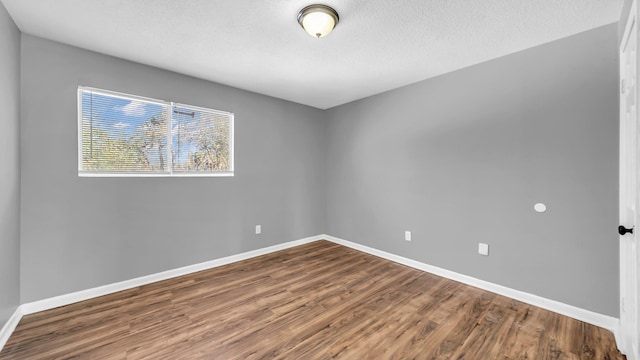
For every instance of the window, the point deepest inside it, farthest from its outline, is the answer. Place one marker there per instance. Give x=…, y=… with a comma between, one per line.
x=125, y=135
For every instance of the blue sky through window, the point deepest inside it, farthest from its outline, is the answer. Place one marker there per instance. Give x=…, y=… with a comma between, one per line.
x=117, y=116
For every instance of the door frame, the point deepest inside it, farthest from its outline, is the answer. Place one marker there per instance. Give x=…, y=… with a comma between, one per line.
x=628, y=152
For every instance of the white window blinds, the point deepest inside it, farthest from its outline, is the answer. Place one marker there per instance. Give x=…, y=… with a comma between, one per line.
x=200, y=140
x=125, y=135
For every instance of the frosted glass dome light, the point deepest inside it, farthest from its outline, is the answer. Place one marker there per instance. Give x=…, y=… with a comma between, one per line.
x=318, y=20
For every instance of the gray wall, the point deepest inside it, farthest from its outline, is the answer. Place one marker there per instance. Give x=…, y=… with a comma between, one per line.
x=10, y=160
x=462, y=158
x=79, y=233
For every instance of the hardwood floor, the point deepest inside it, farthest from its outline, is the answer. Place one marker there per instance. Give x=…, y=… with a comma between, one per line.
x=316, y=301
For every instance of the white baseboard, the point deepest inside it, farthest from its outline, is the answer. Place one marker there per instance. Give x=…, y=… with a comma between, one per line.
x=9, y=326
x=66, y=299
x=603, y=321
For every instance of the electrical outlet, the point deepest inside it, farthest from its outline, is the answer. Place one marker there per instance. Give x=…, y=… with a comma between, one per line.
x=483, y=249
x=407, y=235
x=258, y=229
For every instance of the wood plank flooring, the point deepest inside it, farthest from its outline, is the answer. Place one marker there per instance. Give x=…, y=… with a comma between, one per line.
x=316, y=301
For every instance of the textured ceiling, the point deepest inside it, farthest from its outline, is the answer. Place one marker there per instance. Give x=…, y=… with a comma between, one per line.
x=258, y=45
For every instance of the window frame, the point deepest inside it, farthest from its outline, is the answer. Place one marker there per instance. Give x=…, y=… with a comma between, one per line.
x=170, y=105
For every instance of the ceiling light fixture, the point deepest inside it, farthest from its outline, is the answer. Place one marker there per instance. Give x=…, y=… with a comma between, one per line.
x=318, y=20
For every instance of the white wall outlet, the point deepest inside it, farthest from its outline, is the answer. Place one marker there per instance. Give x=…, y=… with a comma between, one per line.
x=483, y=249
x=407, y=235
x=258, y=229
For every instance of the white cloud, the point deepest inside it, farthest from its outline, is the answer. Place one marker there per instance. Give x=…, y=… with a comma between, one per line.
x=134, y=108
x=120, y=125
